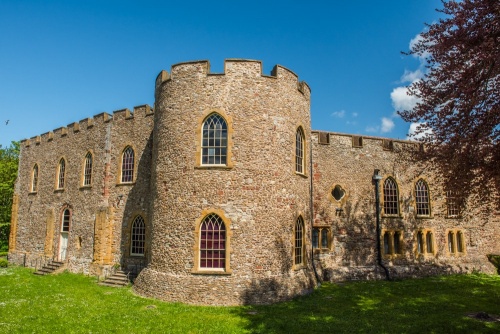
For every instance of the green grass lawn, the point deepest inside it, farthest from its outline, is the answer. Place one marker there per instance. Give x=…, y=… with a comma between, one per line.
x=68, y=303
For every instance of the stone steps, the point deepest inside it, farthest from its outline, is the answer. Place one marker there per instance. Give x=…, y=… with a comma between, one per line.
x=118, y=279
x=49, y=268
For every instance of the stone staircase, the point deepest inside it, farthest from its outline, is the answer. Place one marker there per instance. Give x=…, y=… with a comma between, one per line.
x=118, y=279
x=49, y=268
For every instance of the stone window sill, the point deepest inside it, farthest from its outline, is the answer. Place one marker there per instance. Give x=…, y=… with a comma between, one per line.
x=211, y=272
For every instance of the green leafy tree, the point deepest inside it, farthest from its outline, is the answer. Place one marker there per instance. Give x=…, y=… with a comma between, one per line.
x=9, y=159
x=458, y=105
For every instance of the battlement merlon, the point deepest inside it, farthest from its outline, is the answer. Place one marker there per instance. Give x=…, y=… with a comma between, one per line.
x=232, y=67
x=87, y=123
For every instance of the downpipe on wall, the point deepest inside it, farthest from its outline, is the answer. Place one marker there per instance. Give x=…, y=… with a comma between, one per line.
x=311, y=210
x=376, y=179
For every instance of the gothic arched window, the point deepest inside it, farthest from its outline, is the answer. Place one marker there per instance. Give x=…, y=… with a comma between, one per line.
x=299, y=151
x=127, y=165
x=138, y=236
x=214, y=140
x=212, y=243
x=391, y=203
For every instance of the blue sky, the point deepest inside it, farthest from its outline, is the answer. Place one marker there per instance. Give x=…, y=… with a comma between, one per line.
x=62, y=61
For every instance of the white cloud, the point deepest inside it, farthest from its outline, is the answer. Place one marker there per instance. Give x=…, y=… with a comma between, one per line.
x=401, y=100
x=387, y=125
x=354, y=114
x=412, y=76
x=339, y=114
x=413, y=128
x=372, y=128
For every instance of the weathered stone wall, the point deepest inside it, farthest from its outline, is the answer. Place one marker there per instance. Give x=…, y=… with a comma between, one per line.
x=352, y=220
x=39, y=213
x=259, y=193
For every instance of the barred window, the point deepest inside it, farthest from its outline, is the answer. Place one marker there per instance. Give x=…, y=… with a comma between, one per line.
x=212, y=243
x=138, y=236
x=127, y=165
x=422, y=198
x=214, y=141
x=60, y=174
x=452, y=205
x=34, y=179
x=391, y=203
x=299, y=242
x=87, y=171
x=299, y=151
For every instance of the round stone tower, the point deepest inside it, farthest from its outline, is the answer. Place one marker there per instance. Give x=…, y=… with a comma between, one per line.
x=230, y=186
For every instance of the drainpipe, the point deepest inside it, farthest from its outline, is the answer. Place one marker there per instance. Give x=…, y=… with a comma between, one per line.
x=376, y=178
x=311, y=210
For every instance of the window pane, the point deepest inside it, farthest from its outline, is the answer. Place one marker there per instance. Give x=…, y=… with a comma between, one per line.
x=212, y=242
x=214, y=141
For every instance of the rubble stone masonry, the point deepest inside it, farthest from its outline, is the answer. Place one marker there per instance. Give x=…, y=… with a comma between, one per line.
x=257, y=193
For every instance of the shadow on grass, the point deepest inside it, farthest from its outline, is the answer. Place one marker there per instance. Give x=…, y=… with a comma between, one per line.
x=433, y=304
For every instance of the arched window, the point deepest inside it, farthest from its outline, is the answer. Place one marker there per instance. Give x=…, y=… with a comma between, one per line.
x=127, y=165
x=63, y=239
x=422, y=198
x=87, y=170
x=299, y=151
x=212, y=243
x=138, y=236
x=299, y=242
x=66, y=221
x=34, y=179
x=391, y=203
x=60, y=173
x=214, y=140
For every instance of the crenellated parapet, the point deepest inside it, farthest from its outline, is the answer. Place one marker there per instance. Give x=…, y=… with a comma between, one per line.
x=138, y=113
x=232, y=68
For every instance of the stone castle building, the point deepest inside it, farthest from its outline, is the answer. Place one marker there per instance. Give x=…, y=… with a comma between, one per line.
x=223, y=194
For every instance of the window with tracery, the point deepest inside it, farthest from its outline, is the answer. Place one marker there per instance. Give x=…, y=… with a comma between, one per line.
x=299, y=242
x=60, y=174
x=422, y=198
x=299, y=151
x=138, y=236
x=87, y=170
x=34, y=179
x=391, y=202
x=127, y=165
x=214, y=141
x=212, y=243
